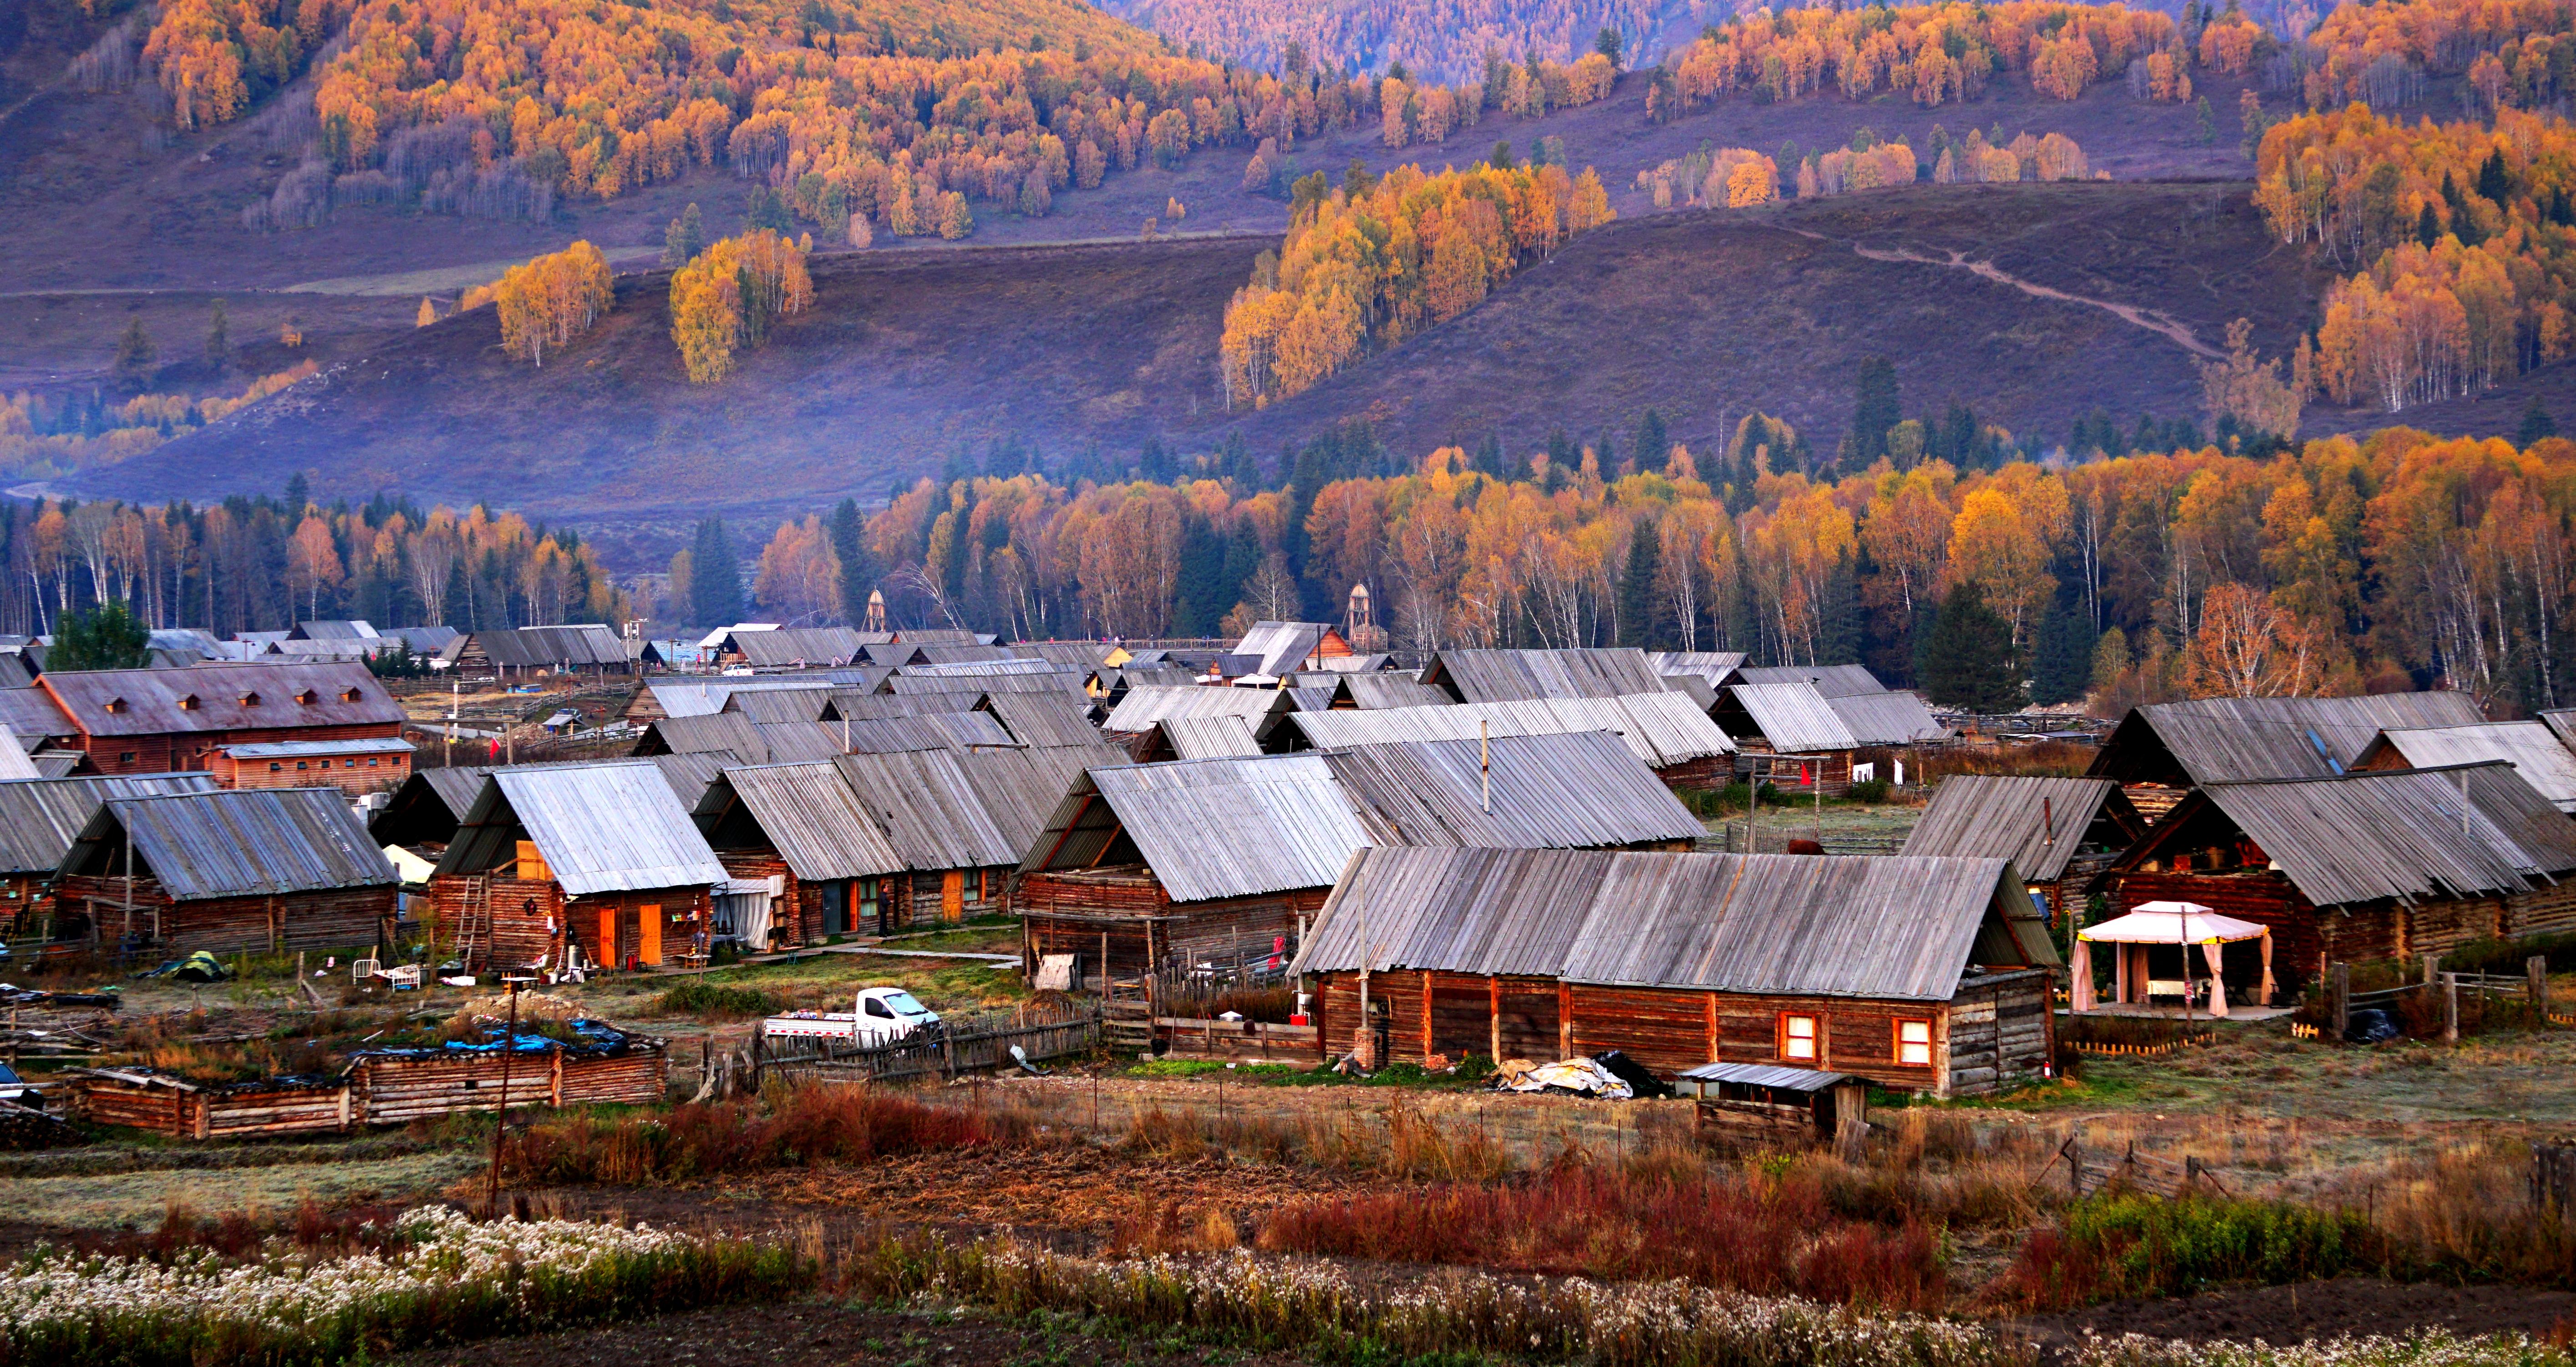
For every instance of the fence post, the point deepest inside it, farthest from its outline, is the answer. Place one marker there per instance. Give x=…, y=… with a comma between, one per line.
x=2339, y=994
x=2553, y=1179
x=2450, y=1007
x=2535, y=976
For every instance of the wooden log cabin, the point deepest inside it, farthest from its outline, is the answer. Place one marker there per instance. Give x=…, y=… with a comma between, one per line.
x=1665, y=729
x=2161, y=750
x=2360, y=867
x=2058, y=832
x=266, y=870
x=1145, y=867
x=39, y=820
x=355, y=767
x=151, y=721
x=582, y=649
x=1920, y=974
x=596, y=859
x=860, y=843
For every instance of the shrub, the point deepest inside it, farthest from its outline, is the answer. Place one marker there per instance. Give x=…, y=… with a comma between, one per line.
x=795, y=1125
x=706, y=1000
x=2119, y=1245
x=1767, y=1237
x=1869, y=790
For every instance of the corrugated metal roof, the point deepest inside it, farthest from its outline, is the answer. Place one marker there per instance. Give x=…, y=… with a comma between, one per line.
x=697, y=698
x=1044, y=718
x=936, y=731
x=1209, y=737
x=1832, y=681
x=1793, y=717
x=39, y=818
x=797, y=647
x=352, y=630
x=2037, y=823
x=932, y=653
x=2562, y=724
x=14, y=673
x=733, y=733
x=1020, y=787
x=1772, y=1075
x=930, y=809
x=1213, y=827
x=1662, y=728
x=1156, y=676
x=1085, y=656
x=873, y=706
x=246, y=842
x=225, y=697
x=608, y=827
x=1578, y=790
x=940, y=636
x=2535, y=754
x=811, y=815
x=1886, y=718
x=2209, y=739
x=14, y=763
x=293, y=749
x=1715, y=668
x=1512, y=675
x=907, y=682
x=769, y=706
x=1310, y=699
x=546, y=647
x=1282, y=646
x=31, y=714
x=1137, y=712
x=996, y=664
x=1383, y=689
x=2399, y=834
x=1871, y=926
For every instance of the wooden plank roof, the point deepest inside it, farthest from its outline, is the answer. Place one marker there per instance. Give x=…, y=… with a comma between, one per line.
x=1886, y=927
x=1793, y=717
x=1512, y=675
x=248, y=842
x=1137, y=712
x=2038, y=823
x=613, y=826
x=2530, y=747
x=40, y=818
x=2404, y=834
x=1661, y=728
x=2210, y=739
x=219, y=697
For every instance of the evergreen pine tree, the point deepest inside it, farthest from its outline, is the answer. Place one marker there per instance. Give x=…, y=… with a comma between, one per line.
x=2062, y=671
x=1200, y=594
x=219, y=339
x=133, y=367
x=1242, y=561
x=715, y=581
x=1875, y=409
x=1838, y=624
x=2428, y=226
x=107, y=638
x=685, y=238
x=2536, y=424
x=1968, y=658
x=299, y=495
x=1637, y=615
x=1654, y=443
x=858, y=567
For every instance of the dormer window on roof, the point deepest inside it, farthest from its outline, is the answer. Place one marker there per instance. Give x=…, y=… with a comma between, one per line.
x=116, y=705
x=353, y=695
x=250, y=700
x=307, y=697
x=189, y=703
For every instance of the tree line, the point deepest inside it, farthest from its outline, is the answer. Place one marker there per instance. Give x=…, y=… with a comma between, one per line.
x=263, y=563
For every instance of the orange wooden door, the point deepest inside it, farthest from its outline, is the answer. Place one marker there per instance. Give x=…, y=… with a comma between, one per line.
x=952, y=896
x=606, y=950
x=648, y=934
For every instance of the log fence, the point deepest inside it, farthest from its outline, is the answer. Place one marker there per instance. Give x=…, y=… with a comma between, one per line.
x=2091, y=1171
x=946, y=1053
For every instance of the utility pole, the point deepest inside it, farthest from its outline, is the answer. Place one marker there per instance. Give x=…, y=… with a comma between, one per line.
x=501, y=1115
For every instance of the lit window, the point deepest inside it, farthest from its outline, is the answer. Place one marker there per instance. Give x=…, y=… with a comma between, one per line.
x=1798, y=1038
x=1914, y=1043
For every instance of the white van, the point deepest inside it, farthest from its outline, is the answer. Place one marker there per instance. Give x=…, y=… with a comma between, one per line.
x=882, y=1016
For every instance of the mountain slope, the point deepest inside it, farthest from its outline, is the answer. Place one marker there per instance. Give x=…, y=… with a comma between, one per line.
x=908, y=357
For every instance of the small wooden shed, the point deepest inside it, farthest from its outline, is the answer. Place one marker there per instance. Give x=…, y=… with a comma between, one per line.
x=266, y=870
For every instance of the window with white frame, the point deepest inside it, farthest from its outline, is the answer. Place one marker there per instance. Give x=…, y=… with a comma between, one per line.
x=1799, y=1036
x=1914, y=1043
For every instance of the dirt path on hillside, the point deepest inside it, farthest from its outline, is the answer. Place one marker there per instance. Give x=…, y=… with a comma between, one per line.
x=2153, y=320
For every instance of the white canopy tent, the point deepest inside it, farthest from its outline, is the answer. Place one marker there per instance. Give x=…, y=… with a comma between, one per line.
x=2181, y=924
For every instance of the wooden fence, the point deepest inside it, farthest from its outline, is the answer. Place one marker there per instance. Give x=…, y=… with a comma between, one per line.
x=377, y=1089
x=1189, y=1036
x=2090, y=1171
x=944, y=1053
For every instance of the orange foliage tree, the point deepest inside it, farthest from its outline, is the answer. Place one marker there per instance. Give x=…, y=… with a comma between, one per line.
x=728, y=297
x=549, y=301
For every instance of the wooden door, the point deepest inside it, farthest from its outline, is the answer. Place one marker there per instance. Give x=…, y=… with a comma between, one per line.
x=606, y=950
x=952, y=895
x=648, y=934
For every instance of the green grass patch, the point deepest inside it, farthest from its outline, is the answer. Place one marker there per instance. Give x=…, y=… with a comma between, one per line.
x=2119, y=1245
x=713, y=1001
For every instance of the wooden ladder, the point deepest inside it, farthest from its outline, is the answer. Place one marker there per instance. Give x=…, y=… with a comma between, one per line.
x=478, y=891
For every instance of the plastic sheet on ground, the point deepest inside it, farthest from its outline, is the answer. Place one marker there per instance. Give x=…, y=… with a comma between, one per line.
x=1581, y=1076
